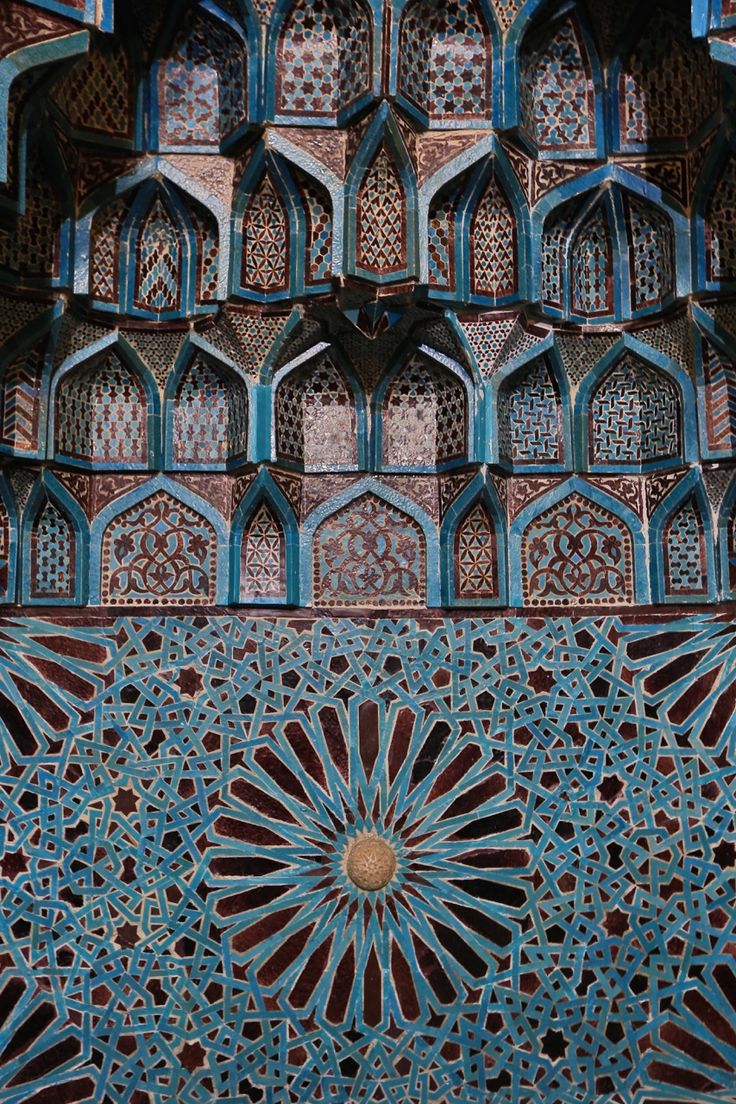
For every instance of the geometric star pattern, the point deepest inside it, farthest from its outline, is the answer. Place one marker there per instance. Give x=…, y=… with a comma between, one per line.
x=176, y=795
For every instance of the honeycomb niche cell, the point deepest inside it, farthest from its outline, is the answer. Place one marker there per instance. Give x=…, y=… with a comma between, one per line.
x=367, y=551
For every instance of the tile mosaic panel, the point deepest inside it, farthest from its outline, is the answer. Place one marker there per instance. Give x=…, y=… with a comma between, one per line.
x=202, y=86
x=591, y=278
x=369, y=554
x=665, y=59
x=634, y=415
x=577, y=551
x=424, y=417
x=720, y=226
x=101, y=413
x=184, y=802
x=210, y=423
x=158, y=261
x=381, y=230
x=265, y=240
x=357, y=858
x=158, y=551
x=263, y=558
x=556, y=90
x=318, y=260
x=652, y=264
x=720, y=398
x=685, y=563
x=493, y=244
x=105, y=251
x=444, y=59
x=316, y=422
x=97, y=94
x=530, y=417
x=324, y=55
x=20, y=402
x=476, y=564
x=208, y=254
x=441, y=243
x=30, y=246
x=53, y=554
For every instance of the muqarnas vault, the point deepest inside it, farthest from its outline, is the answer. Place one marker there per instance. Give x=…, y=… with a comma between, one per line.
x=387, y=313
x=454, y=276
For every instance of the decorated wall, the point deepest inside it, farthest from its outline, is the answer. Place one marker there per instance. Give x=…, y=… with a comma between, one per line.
x=183, y=917
x=460, y=276
x=367, y=552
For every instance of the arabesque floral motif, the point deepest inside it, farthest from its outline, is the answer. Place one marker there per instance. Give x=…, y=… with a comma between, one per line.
x=156, y=551
x=369, y=553
x=578, y=551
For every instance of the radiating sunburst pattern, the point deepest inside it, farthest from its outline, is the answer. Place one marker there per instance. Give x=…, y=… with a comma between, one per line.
x=427, y=861
x=308, y=791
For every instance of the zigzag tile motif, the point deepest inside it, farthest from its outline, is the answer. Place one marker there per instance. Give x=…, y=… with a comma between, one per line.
x=20, y=406
x=720, y=383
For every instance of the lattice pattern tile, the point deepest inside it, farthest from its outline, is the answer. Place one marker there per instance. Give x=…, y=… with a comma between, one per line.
x=530, y=417
x=382, y=218
x=210, y=416
x=555, y=91
x=265, y=240
x=444, y=59
x=684, y=542
x=263, y=558
x=325, y=54
x=634, y=415
x=476, y=567
x=316, y=418
x=202, y=86
x=101, y=413
x=424, y=417
x=53, y=554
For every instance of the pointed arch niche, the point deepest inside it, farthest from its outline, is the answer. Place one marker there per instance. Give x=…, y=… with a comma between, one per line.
x=446, y=62
x=532, y=417
x=381, y=205
x=473, y=548
x=607, y=254
x=200, y=84
x=154, y=252
x=559, y=86
x=105, y=413
x=321, y=57
x=208, y=412
x=55, y=543
x=423, y=417
x=682, y=545
x=282, y=231
x=319, y=425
